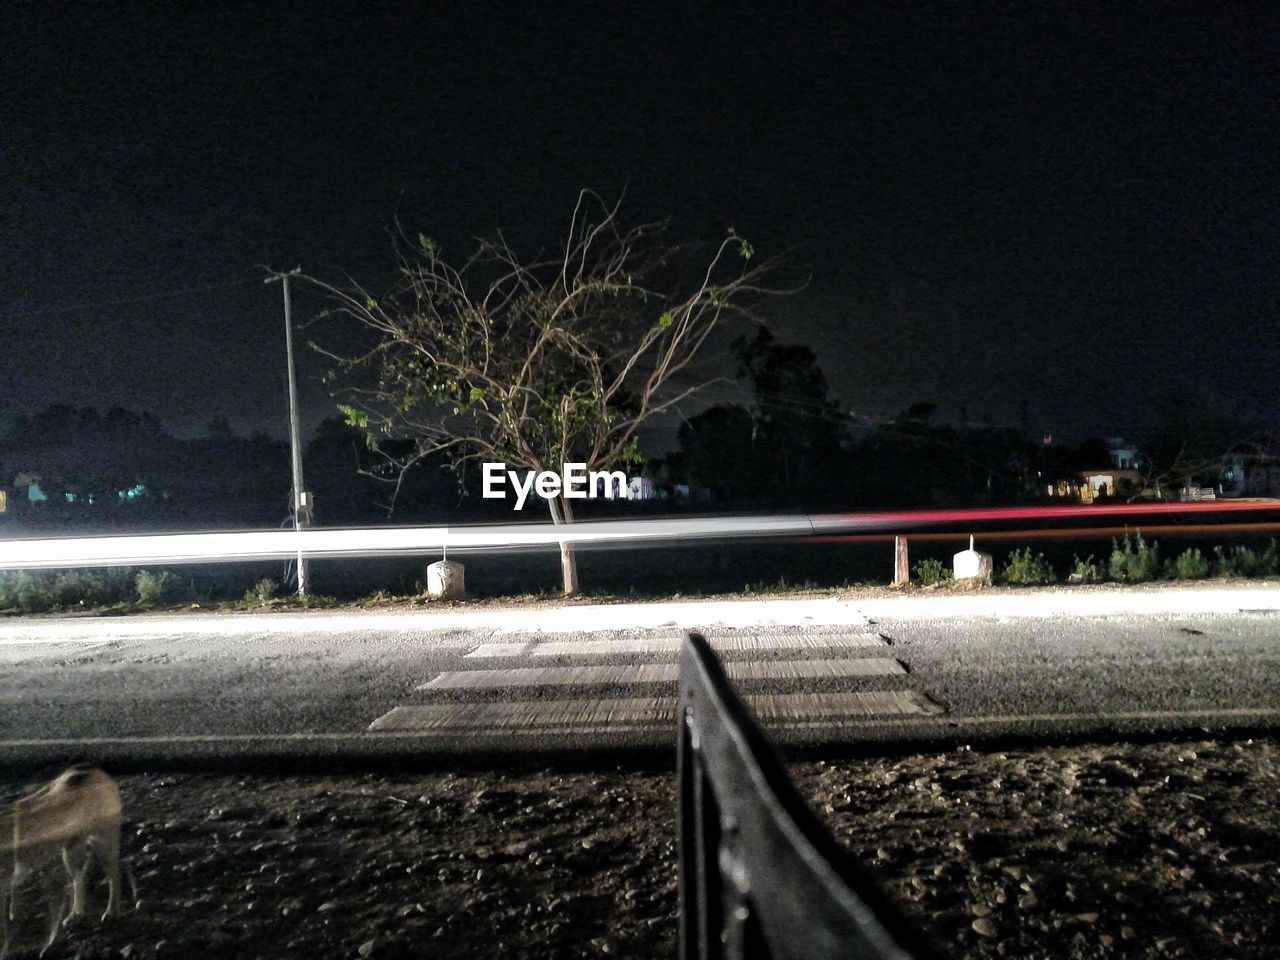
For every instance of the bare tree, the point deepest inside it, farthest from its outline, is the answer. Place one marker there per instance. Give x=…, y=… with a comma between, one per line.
x=538, y=363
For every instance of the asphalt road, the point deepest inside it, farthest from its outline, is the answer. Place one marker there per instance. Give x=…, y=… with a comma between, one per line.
x=946, y=667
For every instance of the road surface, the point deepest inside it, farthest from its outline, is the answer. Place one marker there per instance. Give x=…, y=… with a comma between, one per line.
x=949, y=666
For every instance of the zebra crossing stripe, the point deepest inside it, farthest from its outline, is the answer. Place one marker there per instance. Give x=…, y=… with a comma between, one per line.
x=500, y=650
x=671, y=645
x=661, y=673
x=534, y=716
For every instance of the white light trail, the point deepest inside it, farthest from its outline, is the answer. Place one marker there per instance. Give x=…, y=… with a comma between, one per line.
x=426, y=541
x=374, y=541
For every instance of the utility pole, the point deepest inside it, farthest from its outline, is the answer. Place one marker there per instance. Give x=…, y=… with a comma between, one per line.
x=301, y=509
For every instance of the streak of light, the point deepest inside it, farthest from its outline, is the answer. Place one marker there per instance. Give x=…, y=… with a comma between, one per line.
x=375, y=541
x=424, y=541
x=910, y=518
x=1072, y=533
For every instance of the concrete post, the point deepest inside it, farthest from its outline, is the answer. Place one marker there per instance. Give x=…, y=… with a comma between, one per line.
x=446, y=580
x=972, y=564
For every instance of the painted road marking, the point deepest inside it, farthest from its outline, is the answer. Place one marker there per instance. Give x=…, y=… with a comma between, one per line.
x=660, y=673
x=538, y=715
x=52, y=641
x=501, y=649
x=651, y=645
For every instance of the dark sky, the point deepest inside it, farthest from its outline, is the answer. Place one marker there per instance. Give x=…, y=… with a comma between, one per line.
x=1071, y=204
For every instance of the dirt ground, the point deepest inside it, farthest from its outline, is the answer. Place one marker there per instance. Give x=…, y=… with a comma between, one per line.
x=1156, y=850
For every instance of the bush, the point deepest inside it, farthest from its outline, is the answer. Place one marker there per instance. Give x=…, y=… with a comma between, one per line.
x=44, y=591
x=1134, y=561
x=1243, y=562
x=98, y=588
x=155, y=589
x=932, y=573
x=1084, y=571
x=1023, y=568
x=26, y=592
x=262, y=591
x=1190, y=564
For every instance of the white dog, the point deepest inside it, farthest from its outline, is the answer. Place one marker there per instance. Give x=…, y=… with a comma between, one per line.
x=74, y=815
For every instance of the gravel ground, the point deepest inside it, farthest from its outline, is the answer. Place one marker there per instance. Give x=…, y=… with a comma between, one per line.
x=1116, y=850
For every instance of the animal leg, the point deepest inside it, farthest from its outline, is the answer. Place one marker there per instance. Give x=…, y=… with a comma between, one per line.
x=78, y=873
x=56, y=899
x=106, y=844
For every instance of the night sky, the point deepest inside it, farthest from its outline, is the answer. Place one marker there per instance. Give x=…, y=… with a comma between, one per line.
x=1073, y=205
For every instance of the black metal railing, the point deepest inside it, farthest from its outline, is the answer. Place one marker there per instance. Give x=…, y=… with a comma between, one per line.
x=760, y=877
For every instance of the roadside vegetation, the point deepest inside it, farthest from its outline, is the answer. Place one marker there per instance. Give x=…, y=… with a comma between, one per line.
x=1131, y=560
x=932, y=573
x=1023, y=568
x=1134, y=560
x=122, y=590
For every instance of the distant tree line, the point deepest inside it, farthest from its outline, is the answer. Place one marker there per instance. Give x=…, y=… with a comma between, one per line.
x=788, y=445
x=792, y=446
x=123, y=470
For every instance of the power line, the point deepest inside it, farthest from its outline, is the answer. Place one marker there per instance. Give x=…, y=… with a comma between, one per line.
x=164, y=295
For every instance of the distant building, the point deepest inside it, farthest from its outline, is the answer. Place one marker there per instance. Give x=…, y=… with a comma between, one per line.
x=1093, y=484
x=29, y=484
x=1124, y=456
x=1250, y=475
x=1121, y=478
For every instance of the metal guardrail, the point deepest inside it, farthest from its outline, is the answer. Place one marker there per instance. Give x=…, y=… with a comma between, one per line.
x=760, y=877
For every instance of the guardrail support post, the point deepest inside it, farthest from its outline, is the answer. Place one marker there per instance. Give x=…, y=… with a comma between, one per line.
x=901, y=566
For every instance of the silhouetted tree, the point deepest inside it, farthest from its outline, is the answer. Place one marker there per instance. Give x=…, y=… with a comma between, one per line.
x=1192, y=437
x=718, y=450
x=540, y=362
x=800, y=432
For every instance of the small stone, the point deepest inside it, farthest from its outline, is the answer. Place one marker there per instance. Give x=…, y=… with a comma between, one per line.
x=980, y=909
x=984, y=928
x=1127, y=933
x=366, y=949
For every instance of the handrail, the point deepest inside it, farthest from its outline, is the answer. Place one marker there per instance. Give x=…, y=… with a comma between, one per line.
x=760, y=877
